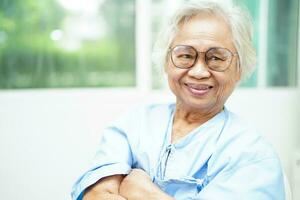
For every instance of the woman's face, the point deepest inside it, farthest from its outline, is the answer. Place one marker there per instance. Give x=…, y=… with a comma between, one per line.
x=200, y=88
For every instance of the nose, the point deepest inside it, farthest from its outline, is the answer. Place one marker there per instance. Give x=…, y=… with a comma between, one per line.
x=199, y=69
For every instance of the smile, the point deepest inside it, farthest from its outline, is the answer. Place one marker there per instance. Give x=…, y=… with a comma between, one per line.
x=198, y=90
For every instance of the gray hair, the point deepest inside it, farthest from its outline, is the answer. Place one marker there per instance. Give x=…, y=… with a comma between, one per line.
x=238, y=20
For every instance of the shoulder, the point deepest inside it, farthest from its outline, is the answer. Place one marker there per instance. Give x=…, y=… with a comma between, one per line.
x=241, y=143
x=243, y=135
x=245, y=161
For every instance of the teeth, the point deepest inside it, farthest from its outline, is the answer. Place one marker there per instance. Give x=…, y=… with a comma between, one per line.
x=200, y=87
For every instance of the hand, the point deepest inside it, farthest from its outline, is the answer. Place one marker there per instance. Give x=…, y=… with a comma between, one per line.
x=104, y=197
x=105, y=189
x=138, y=185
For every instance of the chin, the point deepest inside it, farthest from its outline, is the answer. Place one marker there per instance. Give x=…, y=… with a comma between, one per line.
x=201, y=105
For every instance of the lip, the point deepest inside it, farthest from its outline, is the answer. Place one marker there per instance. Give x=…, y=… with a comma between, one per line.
x=198, y=89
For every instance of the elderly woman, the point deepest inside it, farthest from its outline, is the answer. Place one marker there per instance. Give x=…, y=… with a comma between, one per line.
x=195, y=148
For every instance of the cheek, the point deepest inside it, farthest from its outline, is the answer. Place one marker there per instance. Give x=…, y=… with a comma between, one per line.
x=173, y=74
x=173, y=81
x=226, y=86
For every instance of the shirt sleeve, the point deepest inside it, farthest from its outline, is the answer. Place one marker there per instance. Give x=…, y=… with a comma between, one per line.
x=262, y=179
x=113, y=157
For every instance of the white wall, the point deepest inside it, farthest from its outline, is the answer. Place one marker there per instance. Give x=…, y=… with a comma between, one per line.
x=47, y=137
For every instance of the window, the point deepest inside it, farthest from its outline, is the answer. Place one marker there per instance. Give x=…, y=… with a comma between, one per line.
x=276, y=31
x=98, y=43
x=45, y=44
x=282, y=43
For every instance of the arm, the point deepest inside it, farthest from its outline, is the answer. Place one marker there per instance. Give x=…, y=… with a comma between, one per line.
x=105, y=188
x=138, y=185
x=112, y=158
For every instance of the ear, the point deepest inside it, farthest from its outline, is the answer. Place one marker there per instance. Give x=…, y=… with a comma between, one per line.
x=239, y=71
x=239, y=74
x=166, y=66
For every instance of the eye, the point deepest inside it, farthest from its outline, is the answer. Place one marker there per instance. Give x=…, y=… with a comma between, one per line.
x=186, y=56
x=215, y=58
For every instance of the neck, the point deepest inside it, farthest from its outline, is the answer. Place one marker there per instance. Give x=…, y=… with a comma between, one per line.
x=194, y=116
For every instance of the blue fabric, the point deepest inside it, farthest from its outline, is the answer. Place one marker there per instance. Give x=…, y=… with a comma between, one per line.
x=224, y=158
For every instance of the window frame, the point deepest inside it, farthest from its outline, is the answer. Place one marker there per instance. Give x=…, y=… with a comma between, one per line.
x=298, y=49
x=143, y=45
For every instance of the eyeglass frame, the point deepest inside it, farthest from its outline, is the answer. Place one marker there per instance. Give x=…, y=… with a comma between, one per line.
x=170, y=50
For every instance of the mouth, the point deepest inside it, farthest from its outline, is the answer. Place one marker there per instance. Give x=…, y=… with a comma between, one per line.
x=198, y=89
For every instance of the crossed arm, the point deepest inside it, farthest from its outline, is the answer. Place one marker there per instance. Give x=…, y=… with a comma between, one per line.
x=135, y=186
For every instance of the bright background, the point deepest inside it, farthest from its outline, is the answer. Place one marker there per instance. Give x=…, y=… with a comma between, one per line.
x=67, y=68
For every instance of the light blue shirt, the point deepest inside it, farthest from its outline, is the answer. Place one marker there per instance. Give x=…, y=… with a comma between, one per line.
x=224, y=158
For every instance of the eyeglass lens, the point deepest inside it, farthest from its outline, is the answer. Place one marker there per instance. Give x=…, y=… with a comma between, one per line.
x=217, y=59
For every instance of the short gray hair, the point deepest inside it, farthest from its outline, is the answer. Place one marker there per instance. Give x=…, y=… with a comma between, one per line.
x=237, y=18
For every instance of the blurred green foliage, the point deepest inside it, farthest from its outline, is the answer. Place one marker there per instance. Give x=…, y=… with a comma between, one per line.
x=29, y=58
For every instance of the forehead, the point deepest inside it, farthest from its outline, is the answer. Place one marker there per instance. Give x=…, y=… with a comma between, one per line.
x=204, y=31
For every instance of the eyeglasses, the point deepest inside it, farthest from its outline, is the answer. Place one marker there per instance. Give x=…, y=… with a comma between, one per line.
x=217, y=59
